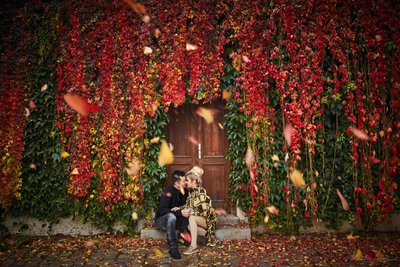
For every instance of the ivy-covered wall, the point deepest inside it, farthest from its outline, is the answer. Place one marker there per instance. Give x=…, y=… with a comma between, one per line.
x=311, y=88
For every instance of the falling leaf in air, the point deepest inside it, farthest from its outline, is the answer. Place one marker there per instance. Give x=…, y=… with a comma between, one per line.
x=146, y=19
x=220, y=126
x=240, y=213
x=359, y=133
x=133, y=168
x=221, y=211
x=64, y=154
x=75, y=171
x=206, y=114
x=357, y=255
x=226, y=95
x=155, y=140
x=249, y=158
x=138, y=8
x=273, y=210
x=171, y=146
x=27, y=112
x=297, y=179
x=286, y=157
x=147, y=50
x=246, y=59
x=345, y=205
x=44, y=87
x=275, y=158
x=134, y=215
x=32, y=104
x=193, y=140
x=190, y=47
x=165, y=157
x=351, y=236
x=80, y=104
x=287, y=133
x=157, y=32
x=266, y=218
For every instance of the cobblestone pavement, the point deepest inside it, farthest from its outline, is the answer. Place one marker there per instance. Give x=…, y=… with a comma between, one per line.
x=269, y=250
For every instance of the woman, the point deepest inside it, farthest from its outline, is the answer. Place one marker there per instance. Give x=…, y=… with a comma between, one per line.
x=198, y=207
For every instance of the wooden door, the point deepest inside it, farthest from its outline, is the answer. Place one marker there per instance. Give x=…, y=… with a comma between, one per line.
x=198, y=143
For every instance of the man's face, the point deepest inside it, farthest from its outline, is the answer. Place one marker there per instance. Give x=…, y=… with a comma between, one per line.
x=182, y=182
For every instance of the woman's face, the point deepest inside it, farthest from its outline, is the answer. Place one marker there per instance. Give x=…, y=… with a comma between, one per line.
x=191, y=183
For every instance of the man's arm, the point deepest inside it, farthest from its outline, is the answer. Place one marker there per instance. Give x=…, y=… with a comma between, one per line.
x=164, y=206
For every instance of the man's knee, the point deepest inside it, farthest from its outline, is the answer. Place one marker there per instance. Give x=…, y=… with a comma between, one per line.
x=171, y=217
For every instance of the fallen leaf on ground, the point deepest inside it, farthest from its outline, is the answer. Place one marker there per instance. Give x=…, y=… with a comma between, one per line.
x=159, y=253
x=357, y=255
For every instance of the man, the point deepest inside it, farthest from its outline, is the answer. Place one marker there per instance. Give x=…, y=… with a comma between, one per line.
x=174, y=195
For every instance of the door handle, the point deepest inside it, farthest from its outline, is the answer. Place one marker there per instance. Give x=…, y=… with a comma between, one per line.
x=199, y=151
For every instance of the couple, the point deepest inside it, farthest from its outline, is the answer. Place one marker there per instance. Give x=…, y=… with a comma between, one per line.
x=185, y=206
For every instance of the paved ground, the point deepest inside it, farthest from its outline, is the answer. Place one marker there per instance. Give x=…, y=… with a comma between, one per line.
x=267, y=250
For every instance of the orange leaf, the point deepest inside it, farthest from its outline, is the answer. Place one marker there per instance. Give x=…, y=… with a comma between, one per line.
x=193, y=140
x=138, y=8
x=165, y=157
x=80, y=104
x=273, y=210
x=351, y=236
x=157, y=32
x=221, y=211
x=226, y=95
x=287, y=133
x=345, y=205
x=155, y=140
x=134, y=168
x=359, y=133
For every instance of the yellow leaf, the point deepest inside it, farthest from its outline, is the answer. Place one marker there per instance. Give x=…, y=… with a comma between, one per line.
x=266, y=219
x=206, y=114
x=165, y=157
x=351, y=236
x=75, y=171
x=64, y=154
x=275, y=158
x=159, y=253
x=134, y=216
x=357, y=255
x=297, y=179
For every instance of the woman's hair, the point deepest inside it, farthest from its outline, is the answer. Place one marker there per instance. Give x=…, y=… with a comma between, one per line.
x=195, y=174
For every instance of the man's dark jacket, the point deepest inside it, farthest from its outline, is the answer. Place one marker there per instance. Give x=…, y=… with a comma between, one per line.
x=171, y=198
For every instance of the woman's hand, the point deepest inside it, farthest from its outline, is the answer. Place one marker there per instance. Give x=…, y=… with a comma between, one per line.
x=175, y=209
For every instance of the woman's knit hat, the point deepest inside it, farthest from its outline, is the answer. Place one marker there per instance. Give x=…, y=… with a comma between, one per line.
x=196, y=170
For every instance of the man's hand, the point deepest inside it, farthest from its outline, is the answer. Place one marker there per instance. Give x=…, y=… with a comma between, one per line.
x=186, y=213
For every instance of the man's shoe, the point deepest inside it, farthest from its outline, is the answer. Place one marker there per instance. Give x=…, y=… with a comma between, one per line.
x=175, y=253
x=191, y=250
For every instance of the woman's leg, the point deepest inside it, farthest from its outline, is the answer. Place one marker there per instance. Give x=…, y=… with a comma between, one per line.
x=194, y=223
